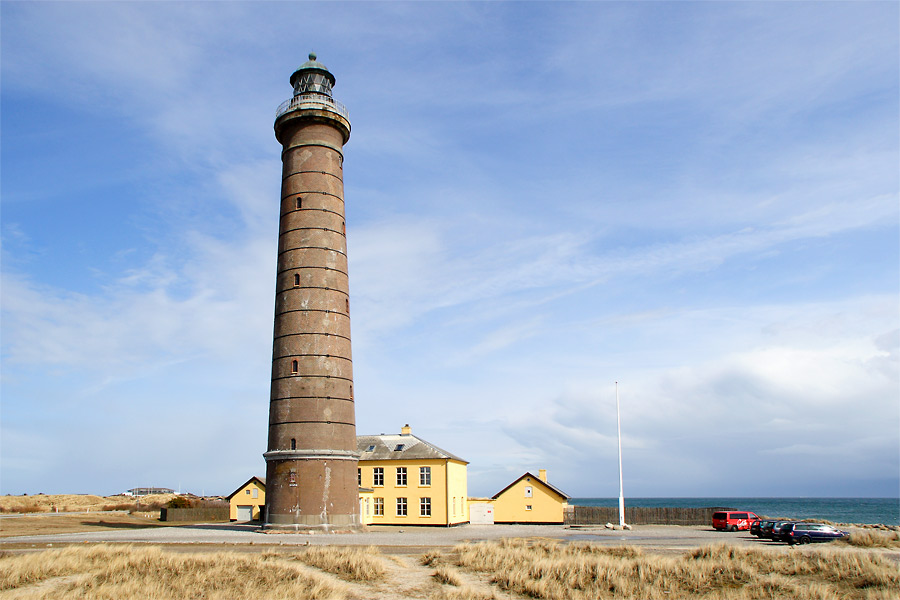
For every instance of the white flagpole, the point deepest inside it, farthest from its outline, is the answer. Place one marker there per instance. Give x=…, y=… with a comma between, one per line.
x=621, y=489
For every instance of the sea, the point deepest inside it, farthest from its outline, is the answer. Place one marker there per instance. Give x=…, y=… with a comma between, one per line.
x=885, y=511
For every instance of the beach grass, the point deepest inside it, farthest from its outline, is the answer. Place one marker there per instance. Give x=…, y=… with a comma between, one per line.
x=554, y=571
x=105, y=572
x=504, y=569
x=352, y=563
x=872, y=539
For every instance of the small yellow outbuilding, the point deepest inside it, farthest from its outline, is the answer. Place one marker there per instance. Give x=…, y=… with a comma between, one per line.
x=248, y=502
x=530, y=499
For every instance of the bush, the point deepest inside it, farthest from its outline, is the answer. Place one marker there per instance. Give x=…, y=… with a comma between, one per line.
x=179, y=502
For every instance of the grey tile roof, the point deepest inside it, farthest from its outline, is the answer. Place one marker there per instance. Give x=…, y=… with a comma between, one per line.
x=385, y=447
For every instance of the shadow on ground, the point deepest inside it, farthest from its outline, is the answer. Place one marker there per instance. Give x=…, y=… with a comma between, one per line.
x=112, y=525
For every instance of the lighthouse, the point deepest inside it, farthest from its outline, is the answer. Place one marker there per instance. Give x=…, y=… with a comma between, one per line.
x=311, y=461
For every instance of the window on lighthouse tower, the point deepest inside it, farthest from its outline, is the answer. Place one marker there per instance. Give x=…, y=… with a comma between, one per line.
x=295, y=367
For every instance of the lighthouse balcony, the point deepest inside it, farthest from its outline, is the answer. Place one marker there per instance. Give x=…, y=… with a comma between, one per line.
x=312, y=101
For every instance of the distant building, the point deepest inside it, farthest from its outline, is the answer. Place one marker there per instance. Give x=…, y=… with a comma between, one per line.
x=148, y=491
x=530, y=499
x=248, y=502
x=412, y=482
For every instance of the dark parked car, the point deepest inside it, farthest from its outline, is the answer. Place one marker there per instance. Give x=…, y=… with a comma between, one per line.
x=777, y=528
x=766, y=530
x=762, y=529
x=755, y=524
x=805, y=533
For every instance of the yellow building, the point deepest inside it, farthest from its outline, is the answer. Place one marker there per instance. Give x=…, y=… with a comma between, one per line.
x=412, y=482
x=530, y=499
x=248, y=502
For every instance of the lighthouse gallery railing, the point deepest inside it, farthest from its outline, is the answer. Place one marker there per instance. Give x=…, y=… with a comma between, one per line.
x=306, y=99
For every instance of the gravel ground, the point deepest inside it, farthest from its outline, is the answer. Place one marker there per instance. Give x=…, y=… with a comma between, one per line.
x=668, y=537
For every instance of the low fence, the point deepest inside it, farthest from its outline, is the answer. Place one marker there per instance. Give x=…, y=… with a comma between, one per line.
x=218, y=513
x=638, y=515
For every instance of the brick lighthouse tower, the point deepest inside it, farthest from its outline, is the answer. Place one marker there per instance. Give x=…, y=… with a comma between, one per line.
x=311, y=463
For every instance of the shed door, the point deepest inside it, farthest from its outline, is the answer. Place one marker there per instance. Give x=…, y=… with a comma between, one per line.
x=481, y=514
x=244, y=513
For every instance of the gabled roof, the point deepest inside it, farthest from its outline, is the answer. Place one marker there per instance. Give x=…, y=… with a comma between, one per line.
x=534, y=479
x=399, y=446
x=260, y=480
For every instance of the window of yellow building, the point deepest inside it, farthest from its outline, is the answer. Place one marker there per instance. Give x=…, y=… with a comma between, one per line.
x=378, y=476
x=401, y=476
x=401, y=507
x=379, y=507
x=424, y=507
x=424, y=475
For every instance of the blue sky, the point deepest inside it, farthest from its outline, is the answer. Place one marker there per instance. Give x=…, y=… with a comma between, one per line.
x=697, y=200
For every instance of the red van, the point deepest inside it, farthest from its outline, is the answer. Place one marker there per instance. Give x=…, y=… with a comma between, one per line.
x=732, y=520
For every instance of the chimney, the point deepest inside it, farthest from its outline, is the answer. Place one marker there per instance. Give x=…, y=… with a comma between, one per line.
x=542, y=475
x=405, y=430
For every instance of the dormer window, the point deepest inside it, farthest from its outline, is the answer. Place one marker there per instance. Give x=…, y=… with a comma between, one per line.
x=399, y=447
x=370, y=448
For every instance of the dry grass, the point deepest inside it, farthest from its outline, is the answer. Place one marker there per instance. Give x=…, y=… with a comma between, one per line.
x=447, y=575
x=349, y=562
x=462, y=594
x=80, y=502
x=123, y=573
x=484, y=571
x=581, y=571
x=872, y=539
x=43, y=523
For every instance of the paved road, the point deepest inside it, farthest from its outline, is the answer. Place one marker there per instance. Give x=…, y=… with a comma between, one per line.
x=650, y=536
